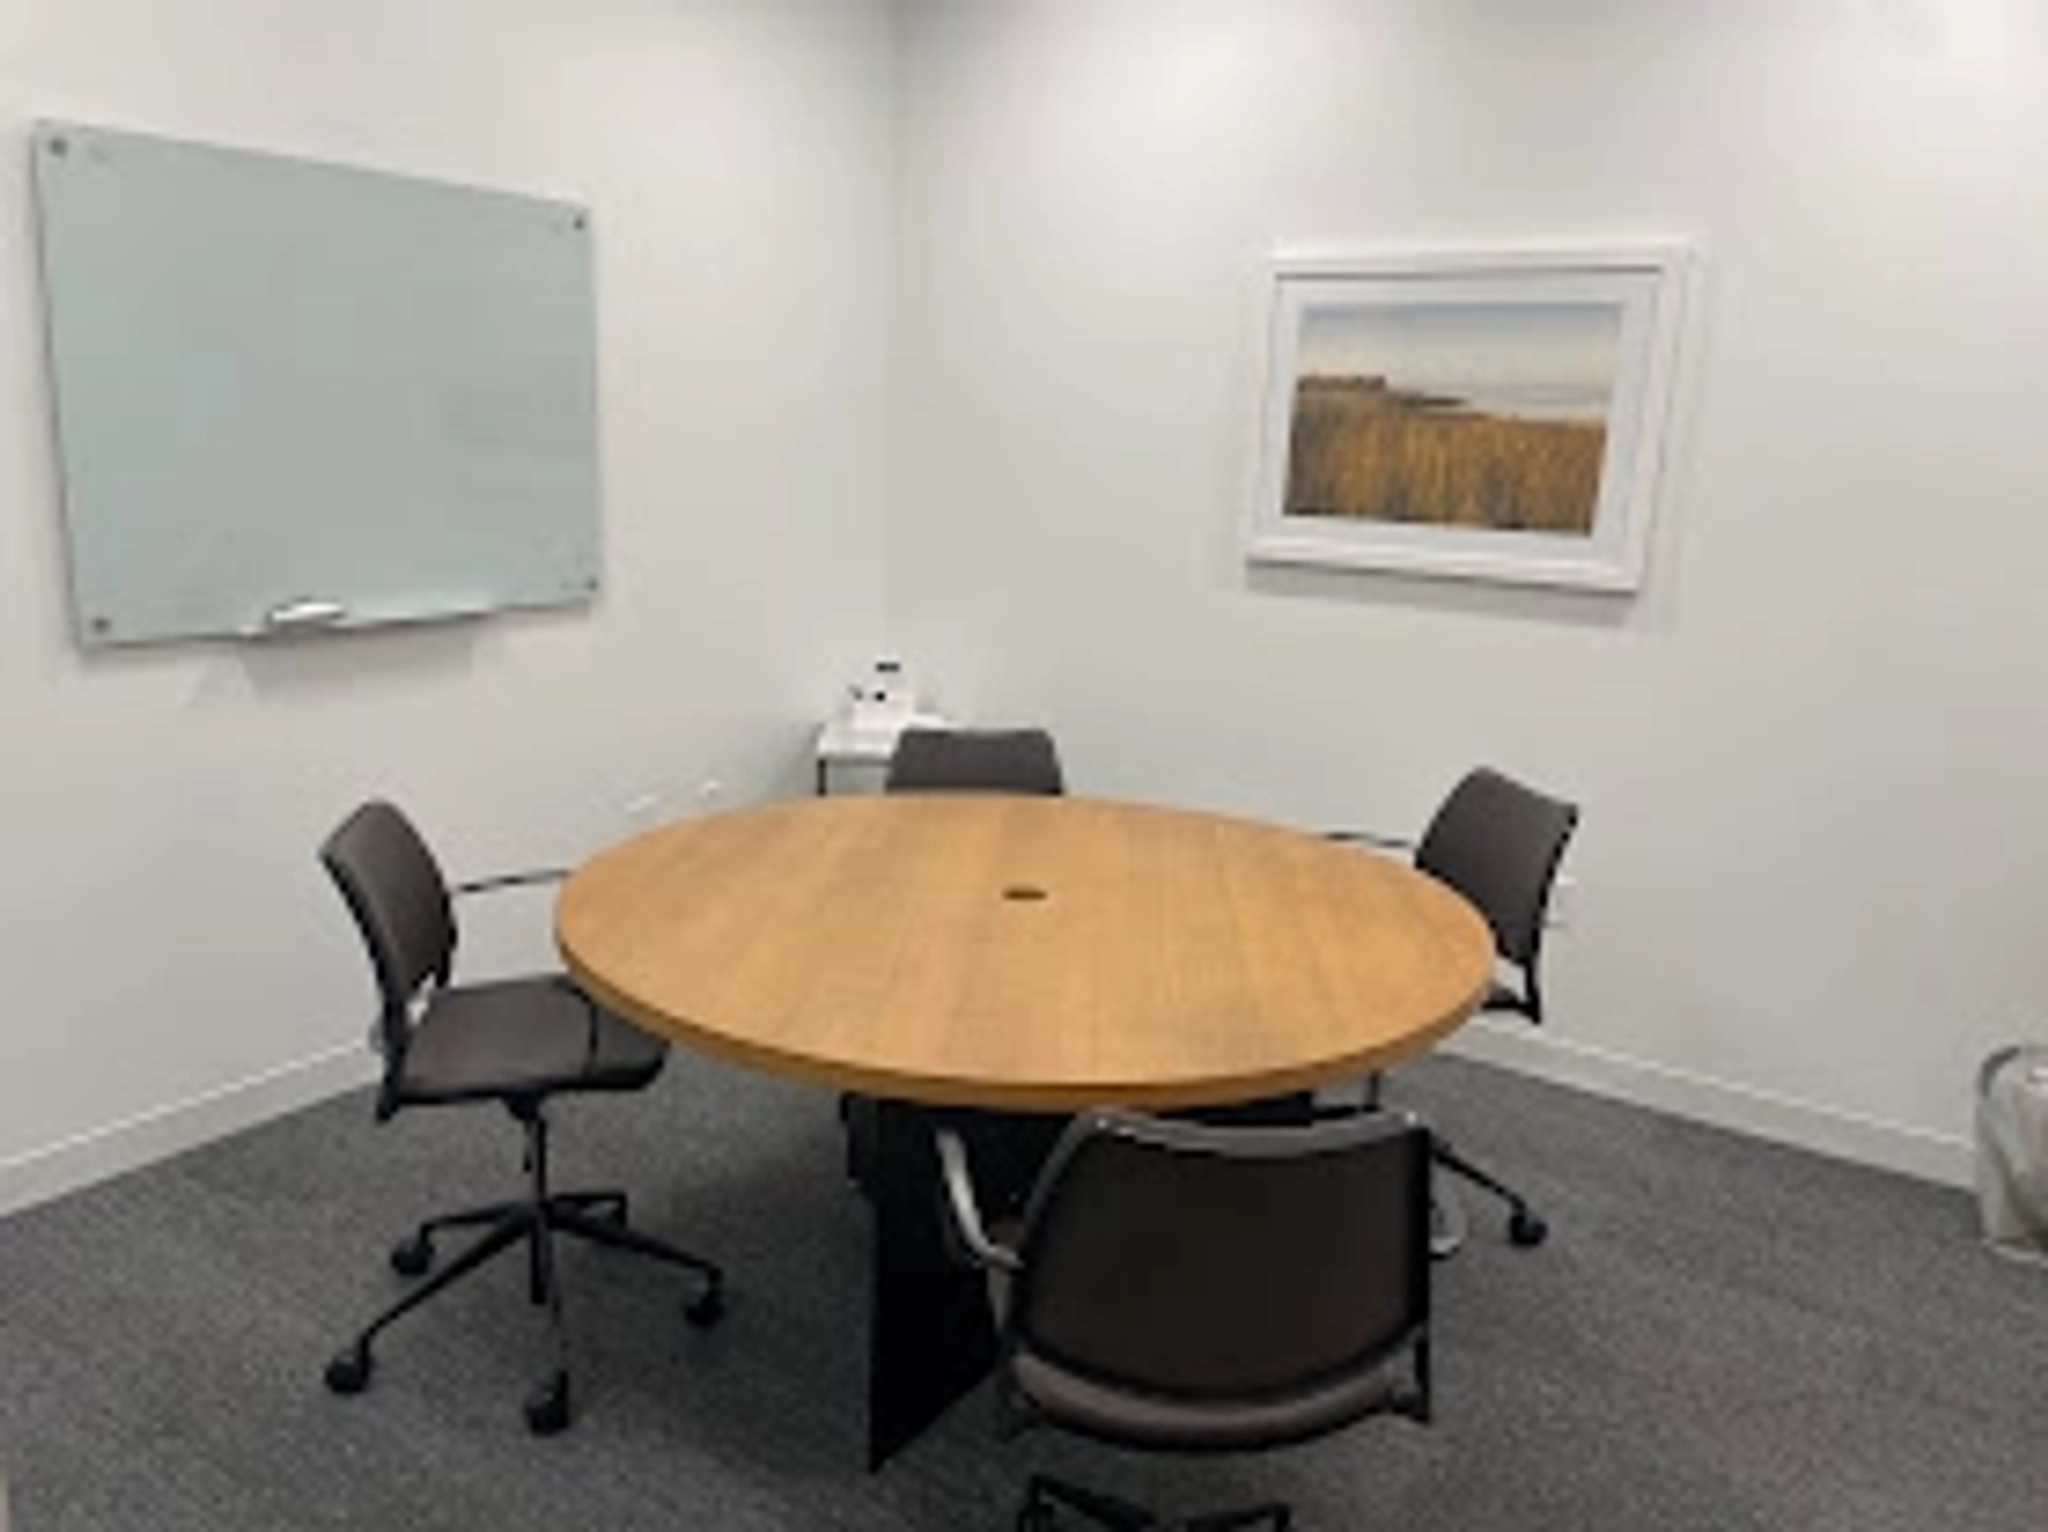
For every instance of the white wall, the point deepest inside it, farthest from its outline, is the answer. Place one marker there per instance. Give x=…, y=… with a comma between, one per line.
x=174, y=961
x=1813, y=874
x=1811, y=878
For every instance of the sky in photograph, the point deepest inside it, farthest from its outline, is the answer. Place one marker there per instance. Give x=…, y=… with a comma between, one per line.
x=1539, y=359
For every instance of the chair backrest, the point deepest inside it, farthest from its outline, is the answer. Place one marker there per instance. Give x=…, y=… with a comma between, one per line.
x=975, y=761
x=395, y=890
x=1211, y=1263
x=1498, y=843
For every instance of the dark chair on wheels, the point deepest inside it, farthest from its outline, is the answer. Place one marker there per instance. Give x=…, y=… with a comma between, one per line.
x=1023, y=761
x=1498, y=843
x=1183, y=1287
x=515, y=1042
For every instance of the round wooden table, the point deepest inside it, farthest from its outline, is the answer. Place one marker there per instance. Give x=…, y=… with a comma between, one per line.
x=951, y=951
x=997, y=951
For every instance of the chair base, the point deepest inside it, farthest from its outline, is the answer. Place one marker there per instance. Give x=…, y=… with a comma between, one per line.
x=1046, y=1497
x=532, y=1223
x=1526, y=1227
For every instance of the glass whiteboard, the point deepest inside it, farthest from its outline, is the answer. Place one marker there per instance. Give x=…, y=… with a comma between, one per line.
x=293, y=395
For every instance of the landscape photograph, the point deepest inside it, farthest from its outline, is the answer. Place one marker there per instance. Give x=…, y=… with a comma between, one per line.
x=1490, y=416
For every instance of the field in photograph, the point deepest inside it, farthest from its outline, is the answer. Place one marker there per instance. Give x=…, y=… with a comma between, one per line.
x=1362, y=450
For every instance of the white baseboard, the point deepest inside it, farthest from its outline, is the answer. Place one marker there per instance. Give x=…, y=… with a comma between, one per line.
x=1743, y=1109
x=163, y=1131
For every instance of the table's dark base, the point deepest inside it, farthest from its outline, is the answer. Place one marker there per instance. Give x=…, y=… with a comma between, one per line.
x=931, y=1337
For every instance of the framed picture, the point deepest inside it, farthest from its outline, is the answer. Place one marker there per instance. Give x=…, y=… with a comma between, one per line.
x=1489, y=415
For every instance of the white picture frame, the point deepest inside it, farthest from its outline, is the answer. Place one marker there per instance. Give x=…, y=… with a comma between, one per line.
x=1483, y=414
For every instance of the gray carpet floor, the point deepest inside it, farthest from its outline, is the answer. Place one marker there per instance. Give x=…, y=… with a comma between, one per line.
x=1719, y=1334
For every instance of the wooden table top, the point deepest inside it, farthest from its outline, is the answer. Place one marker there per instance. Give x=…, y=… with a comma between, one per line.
x=1057, y=953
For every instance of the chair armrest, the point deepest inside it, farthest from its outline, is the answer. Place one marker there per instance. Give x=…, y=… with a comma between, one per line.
x=966, y=1209
x=506, y=880
x=1369, y=838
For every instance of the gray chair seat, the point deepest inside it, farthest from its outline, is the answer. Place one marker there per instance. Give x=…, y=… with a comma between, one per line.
x=1131, y=1417
x=539, y=1034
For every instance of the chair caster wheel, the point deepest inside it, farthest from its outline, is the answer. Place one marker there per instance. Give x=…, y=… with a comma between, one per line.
x=349, y=1372
x=412, y=1257
x=1527, y=1229
x=707, y=1310
x=547, y=1407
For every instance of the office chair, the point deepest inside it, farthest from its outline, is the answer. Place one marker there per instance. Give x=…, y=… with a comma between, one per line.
x=1498, y=843
x=517, y=1042
x=1183, y=1287
x=1023, y=761
x=975, y=761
